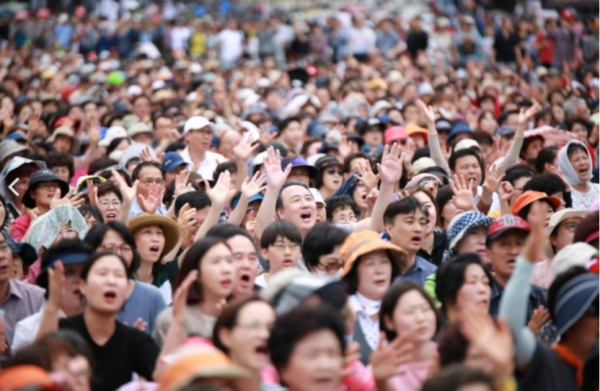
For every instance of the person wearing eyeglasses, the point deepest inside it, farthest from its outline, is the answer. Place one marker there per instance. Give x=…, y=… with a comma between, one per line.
x=198, y=135
x=321, y=250
x=43, y=186
x=144, y=301
x=150, y=186
x=280, y=246
x=331, y=175
x=560, y=231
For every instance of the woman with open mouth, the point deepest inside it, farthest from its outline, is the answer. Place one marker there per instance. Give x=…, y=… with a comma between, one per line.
x=144, y=301
x=331, y=175
x=118, y=350
x=155, y=236
x=370, y=265
x=242, y=331
x=213, y=260
x=575, y=163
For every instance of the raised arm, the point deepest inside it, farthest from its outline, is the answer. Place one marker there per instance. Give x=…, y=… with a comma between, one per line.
x=275, y=179
x=56, y=281
x=435, y=148
x=512, y=157
x=242, y=153
x=390, y=171
x=218, y=195
x=514, y=302
x=250, y=188
x=128, y=194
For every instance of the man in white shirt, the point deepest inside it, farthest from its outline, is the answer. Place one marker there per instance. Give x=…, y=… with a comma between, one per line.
x=198, y=133
x=231, y=41
x=362, y=39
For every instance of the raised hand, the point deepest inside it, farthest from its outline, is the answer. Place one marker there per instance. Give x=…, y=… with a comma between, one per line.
x=505, y=191
x=127, y=192
x=33, y=214
x=344, y=147
x=56, y=282
x=138, y=324
x=152, y=202
x=244, y=149
x=372, y=196
x=463, y=193
x=252, y=187
x=366, y=176
x=446, y=152
x=146, y=156
x=540, y=317
x=492, y=179
x=180, y=296
x=495, y=342
x=266, y=137
x=75, y=201
x=534, y=246
x=182, y=184
x=427, y=111
x=275, y=175
x=92, y=193
x=526, y=115
x=219, y=194
x=387, y=360
x=186, y=220
x=390, y=168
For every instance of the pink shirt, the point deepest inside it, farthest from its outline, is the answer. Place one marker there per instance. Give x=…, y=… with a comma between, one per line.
x=413, y=378
x=543, y=274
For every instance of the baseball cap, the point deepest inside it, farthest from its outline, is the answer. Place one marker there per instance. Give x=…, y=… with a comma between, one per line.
x=172, y=161
x=393, y=134
x=24, y=249
x=466, y=143
x=505, y=130
x=442, y=125
x=458, y=128
x=411, y=129
x=112, y=133
x=421, y=164
x=576, y=254
x=573, y=300
x=507, y=223
x=317, y=196
x=236, y=200
x=194, y=123
x=530, y=196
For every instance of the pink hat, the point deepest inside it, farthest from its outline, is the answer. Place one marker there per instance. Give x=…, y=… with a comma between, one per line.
x=394, y=133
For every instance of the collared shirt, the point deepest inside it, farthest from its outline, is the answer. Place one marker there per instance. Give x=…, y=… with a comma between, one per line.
x=537, y=298
x=440, y=245
x=208, y=165
x=419, y=272
x=22, y=300
x=27, y=329
x=370, y=327
x=136, y=209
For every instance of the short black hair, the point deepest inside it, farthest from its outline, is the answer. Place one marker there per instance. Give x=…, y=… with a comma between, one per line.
x=390, y=301
x=101, y=164
x=279, y=202
x=454, y=377
x=65, y=246
x=546, y=183
x=348, y=159
x=580, y=121
x=453, y=346
x=444, y=195
x=513, y=176
x=504, y=116
x=196, y=199
x=421, y=152
x=93, y=210
x=280, y=228
x=450, y=277
x=174, y=147
x=404, y=206
x=296, y=325
x=169, y=193
x=546, y=155
x=107, y=188
x=321, y=240
x=334, y=203
x=462, y=153
x=559, y=282
x=96, y=234
x=283, y=124
x=62, y=159
x=135, y=175
x=230, y=166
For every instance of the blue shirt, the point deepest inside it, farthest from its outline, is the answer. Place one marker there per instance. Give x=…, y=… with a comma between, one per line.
x=136, y=209
x=419, y=272
x=145, y=302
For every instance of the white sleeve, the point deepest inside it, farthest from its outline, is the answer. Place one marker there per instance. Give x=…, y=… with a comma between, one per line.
x=23, y=336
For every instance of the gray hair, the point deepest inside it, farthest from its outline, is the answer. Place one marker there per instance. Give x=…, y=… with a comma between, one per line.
x=570, y=107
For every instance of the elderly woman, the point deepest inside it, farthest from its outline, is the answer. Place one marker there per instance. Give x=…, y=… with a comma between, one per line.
x=63, y=222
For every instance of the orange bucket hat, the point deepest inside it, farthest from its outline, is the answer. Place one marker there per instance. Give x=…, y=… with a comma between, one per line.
x=361, y=243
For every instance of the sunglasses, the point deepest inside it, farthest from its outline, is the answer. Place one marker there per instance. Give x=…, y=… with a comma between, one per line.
x=333, y=170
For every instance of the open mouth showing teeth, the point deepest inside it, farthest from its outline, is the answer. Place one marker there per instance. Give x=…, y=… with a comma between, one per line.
x=305, y=215
x=111, y=216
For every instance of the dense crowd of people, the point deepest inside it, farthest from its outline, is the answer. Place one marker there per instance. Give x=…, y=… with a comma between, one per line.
x=231, y=197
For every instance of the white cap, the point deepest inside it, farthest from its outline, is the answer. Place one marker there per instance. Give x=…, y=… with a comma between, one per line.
x=317, y=196
x=158, y=84
x=112, y=133
x=196, y=122
x=467, y=143
x=576, y=254
x=134, y=90
x=425, y=89
x=195, y=68
x=312, y=159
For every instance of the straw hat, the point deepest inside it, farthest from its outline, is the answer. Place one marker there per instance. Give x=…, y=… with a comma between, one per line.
x=170, y=228
x=361, y=243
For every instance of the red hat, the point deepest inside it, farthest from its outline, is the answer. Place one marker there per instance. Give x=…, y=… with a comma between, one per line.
x=416, y=129
x=42, y=13
x=529, y=196
x=567, y=14
x=393, y=134
x=22, y=376
x=505, y=223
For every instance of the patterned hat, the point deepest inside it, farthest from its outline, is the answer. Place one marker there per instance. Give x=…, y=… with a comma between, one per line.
x=463, y=223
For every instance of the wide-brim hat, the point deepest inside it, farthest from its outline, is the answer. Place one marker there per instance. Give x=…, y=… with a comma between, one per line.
x=169, y=227
x=463, y=223
x=68, y=132
x=43, y=175
x=573, y=299
x=360, y=243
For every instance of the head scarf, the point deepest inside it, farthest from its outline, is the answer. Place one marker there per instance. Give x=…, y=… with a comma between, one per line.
x=564, y=164
x=46, y=228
